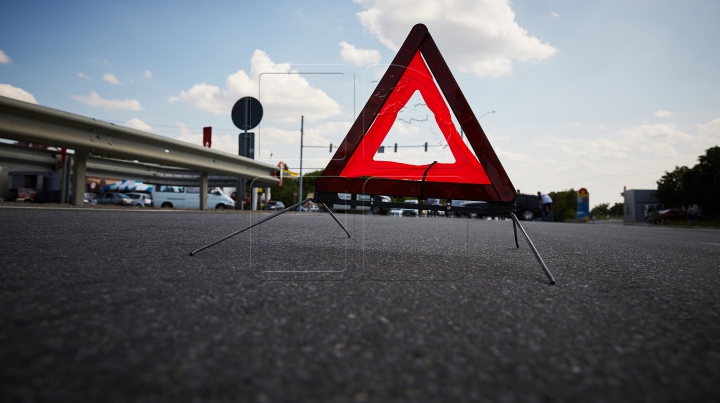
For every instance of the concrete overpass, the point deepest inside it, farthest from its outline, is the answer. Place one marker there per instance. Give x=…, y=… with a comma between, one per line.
x=101, y=147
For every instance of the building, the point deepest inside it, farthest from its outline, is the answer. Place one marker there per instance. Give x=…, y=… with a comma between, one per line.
x=635, y=201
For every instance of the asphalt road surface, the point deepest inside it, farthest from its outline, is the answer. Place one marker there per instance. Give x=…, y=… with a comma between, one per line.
x=107, y=305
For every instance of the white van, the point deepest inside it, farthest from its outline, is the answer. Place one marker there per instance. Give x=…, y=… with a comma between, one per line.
x=188, y=197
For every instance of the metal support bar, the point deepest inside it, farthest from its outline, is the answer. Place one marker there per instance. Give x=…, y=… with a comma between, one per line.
x=203, y=190
x=65, y=183
x=515, y=232
x=335, y=218
x=532, y=247
x=260, y=222
x=78, y=192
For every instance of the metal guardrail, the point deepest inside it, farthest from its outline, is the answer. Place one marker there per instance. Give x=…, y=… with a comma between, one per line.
x=21, y=158
x=31, y=123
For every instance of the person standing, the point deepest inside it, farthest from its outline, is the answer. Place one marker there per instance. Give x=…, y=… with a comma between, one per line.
x=545, y=207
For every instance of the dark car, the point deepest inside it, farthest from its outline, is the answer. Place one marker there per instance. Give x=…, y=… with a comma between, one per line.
x=528, y=207
x=11, y=195
x=47, y=196
x=381, y=210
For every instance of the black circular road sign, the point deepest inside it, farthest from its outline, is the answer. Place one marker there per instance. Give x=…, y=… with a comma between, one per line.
x=247, y=113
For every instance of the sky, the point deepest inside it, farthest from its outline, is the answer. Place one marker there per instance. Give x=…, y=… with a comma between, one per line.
x=601, y=95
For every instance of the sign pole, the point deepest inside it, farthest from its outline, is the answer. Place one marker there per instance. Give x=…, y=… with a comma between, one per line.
x=246, y=114
x=300, y=180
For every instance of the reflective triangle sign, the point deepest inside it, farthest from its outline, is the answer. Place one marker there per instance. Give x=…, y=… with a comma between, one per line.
x=475, y=173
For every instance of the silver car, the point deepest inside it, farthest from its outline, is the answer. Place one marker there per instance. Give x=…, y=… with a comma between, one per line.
x=115, y=198
x=140, y=199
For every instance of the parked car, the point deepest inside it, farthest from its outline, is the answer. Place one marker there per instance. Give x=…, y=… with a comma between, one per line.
x=381, y=199
x=657, y=217
x=348, y=196
x=47, y=196
x=651, y=208
x=274, y=205
x=471, y=204
x=115, y=198
x=140, y=199
x=169, y=196
x=89, y=198
x=396, y=212
x=21, y=194
x=11, y=194
x=528, y=207
x=410, y=211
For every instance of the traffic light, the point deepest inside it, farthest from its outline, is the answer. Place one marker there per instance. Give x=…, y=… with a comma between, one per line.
x=330, y=147
x=395, y=147
x=426, y=146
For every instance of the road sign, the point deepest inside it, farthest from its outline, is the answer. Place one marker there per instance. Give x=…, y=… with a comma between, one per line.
x=247, y=113
x=246, y=144
x=476, y=174
x=583, y=203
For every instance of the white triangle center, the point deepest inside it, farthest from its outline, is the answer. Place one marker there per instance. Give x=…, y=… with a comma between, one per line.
x=415, y=125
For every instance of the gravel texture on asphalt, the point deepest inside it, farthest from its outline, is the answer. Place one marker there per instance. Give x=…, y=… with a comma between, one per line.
x=107, y=305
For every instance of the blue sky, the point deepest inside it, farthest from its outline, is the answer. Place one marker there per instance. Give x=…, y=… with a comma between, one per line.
x=598, y=95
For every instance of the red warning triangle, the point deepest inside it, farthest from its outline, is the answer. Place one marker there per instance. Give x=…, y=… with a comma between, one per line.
x=420, y=67
x=417, y=77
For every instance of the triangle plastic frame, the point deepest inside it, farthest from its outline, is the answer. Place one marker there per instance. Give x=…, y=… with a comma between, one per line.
x=500, y=188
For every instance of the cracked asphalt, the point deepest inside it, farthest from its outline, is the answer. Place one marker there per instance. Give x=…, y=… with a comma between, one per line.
x=107, y=305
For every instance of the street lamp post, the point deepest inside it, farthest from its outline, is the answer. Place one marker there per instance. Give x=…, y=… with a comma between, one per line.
x=486, y=113
x=300, y=192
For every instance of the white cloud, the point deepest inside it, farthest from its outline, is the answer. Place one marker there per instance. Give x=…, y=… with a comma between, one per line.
x=662, y=114
x=109, y=77
x=637, y=141
x=147, y=74
x=20, y=94
x=138, y=124
x=81, y=75
x=359, y=57
x=709, y=134
x=554, y=15
x=575, y=124
x=108, y=104
x=283, y=96
x=4, y=59
x=480, y=37
x=603, y=162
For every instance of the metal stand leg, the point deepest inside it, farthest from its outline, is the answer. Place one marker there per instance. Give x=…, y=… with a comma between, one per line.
x=515, y=232
x=258, y=223
x=335, y=218
x=532, y=247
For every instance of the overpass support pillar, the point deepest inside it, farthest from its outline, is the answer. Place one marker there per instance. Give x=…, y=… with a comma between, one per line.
x=78, y=184
x=203, y=190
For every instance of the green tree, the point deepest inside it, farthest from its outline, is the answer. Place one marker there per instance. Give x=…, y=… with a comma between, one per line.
x=670, y=190
x=285, y=192
x=601, y=210
x=564, y=204
x=617, y=210
x=697, y=185
x=701, y=184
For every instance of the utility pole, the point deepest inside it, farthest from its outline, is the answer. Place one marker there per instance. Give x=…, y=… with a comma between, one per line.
x=300, y=191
